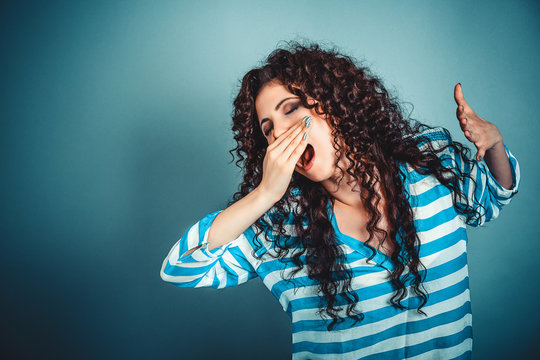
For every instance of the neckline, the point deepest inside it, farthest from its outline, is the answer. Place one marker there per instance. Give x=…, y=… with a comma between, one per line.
x=380, y=258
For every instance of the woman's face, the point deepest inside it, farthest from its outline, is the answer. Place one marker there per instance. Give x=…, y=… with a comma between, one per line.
x=278, y=109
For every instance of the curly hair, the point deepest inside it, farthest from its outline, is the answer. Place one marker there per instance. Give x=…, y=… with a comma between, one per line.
x=369, y=129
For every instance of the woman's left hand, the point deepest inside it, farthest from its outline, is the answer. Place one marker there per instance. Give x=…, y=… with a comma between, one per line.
x=481, y=132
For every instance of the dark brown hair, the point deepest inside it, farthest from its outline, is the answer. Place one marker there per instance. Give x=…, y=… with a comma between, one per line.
x=377, y=139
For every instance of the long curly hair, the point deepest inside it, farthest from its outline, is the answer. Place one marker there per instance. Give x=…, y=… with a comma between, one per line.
x=368, y=128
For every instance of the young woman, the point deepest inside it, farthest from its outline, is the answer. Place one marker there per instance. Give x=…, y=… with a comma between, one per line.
x=354, y=219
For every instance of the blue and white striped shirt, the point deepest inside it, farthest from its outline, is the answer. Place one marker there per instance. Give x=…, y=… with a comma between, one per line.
x=386, y=332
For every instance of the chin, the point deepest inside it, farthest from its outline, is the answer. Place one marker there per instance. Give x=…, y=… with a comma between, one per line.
x=314, y=174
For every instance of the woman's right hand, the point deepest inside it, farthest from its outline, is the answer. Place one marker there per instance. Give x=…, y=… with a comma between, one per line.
x=281, y=158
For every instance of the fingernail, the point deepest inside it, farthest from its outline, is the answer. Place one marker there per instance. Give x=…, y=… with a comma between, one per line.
x=305, y=136
x=459, y=84
x=308, y=122
x=479, y=158
x=305, y=118
x=462, y=108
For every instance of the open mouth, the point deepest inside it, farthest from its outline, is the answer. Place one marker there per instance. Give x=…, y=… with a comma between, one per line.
x=306, y=160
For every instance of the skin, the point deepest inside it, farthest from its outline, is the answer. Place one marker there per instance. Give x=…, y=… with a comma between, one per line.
x=350, y=213
x=486, y=137
x=323, y=169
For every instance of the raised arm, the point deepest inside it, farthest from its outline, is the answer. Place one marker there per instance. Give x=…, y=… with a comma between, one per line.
x=233, y=221
x=216, y=251
x=278, y=167
x=482, y=191
x=486, y=137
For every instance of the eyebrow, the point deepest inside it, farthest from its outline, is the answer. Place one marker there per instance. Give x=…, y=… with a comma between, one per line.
x=277, y=108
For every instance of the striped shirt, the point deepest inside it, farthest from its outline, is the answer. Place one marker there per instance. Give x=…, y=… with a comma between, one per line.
x=386, y=332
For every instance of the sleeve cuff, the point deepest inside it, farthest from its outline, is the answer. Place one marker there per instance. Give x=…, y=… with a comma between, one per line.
x=500, y=191
x=198, y=236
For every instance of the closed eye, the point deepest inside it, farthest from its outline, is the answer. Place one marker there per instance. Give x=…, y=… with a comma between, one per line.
x=294, y=108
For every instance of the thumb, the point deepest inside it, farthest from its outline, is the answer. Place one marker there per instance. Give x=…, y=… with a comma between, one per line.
x=480, y=154
x=458, y=95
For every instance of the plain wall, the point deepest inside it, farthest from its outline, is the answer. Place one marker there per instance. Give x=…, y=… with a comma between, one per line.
x=115, y=130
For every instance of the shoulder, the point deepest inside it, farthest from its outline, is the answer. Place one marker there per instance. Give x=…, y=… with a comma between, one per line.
x=436, y=140
x=438, y=137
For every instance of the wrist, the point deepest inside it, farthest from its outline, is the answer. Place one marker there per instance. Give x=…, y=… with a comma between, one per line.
x=497, y=147
x=497, y=139
x=265, y=198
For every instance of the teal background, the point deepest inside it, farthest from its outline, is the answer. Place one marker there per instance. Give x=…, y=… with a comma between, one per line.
x=115, y=119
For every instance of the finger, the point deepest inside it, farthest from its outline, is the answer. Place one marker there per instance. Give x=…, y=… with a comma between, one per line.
x=458, y=96
x=480, y=154
x=286, y=135
x=460, y=111
x=280, y=148
x=300, y=148
x=463, y=122
x=301, y=137
x=283, y=136
x=471, y=135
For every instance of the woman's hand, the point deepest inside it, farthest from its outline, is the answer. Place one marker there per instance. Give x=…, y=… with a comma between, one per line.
x=281, y=158
x=482, y=133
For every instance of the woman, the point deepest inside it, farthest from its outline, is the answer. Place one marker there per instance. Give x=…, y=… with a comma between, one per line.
x=353, y=218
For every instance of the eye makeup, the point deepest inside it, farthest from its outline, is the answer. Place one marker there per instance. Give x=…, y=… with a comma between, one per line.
x=293, y=108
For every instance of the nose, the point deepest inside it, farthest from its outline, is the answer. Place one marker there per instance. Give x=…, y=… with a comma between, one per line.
x=280, y=128
x=278, y=131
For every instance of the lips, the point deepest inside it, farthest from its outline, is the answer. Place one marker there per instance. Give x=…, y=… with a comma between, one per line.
x=307, y=159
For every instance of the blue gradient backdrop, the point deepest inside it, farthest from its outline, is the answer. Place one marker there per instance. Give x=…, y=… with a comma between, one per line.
x=115, y=120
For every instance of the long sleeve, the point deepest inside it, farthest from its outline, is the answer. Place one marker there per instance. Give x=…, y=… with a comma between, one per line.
x=480, y=188
x=229, y=265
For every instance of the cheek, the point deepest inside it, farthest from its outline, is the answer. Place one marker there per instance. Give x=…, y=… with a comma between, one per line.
x=323, y=144
x=328, y=150
x=325, y=160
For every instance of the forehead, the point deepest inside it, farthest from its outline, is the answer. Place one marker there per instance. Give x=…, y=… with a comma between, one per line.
x=271, y=94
